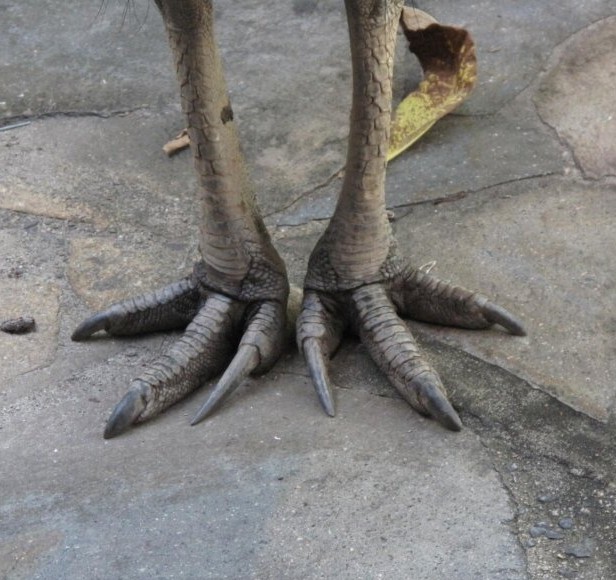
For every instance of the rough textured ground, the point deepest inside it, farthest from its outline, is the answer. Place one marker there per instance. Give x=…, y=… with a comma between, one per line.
x=514, y=195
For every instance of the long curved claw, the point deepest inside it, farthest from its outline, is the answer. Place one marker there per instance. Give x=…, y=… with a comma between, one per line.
x=395, y=351
x=201, y=353
x=244, y=362
x=498, y=315
x=431, y=399
x=315, y=359
x=259, y=349
x=168, y=308
x=421, y=296
x=99, y=321
x=319, y=331
x=127, y=412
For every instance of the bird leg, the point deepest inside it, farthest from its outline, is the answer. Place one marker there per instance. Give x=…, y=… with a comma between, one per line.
x=233, y=305
x=355, y=279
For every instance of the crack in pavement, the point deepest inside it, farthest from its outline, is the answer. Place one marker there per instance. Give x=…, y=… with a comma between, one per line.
x=577, y=164
x=459, y=195
x=555, y=59
x=54, y=218
x=452, y=197
x=338, y=173
x=17, y=119
x=514, y=523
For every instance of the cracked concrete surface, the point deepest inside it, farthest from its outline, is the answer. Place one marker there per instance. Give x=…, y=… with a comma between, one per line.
x=552, y=263
x=513, y=195
x=589, y=125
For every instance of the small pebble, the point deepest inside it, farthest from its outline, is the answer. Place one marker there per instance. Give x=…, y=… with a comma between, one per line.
x=531, y=543
x=566, y=523
x=536, y=531
x=21, y=325
x=546, y=498
x=554, y=534
x=579, y=551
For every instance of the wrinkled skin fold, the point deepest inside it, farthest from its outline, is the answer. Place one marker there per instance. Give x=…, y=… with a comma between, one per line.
x=233, y=306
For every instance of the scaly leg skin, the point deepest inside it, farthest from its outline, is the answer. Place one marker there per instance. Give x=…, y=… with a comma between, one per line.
x=233, y=306
x=355, y=280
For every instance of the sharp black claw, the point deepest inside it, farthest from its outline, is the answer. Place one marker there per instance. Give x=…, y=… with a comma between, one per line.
x=244, y=362
x=446, y=415
x=89, y=326
x=126, y=413
x=498, y=315
x=435, y=404
x=318, y=371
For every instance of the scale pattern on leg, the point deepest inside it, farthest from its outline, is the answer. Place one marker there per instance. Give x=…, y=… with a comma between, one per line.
x=354, y=264
x=238, y=258
x=319, y=331
x=168, y=308
x=203, y=351
x=259, y=349
x=421, y=296
x=241, y=280
x=395, y=351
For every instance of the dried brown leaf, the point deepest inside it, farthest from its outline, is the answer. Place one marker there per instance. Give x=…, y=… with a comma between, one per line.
x=447, y=57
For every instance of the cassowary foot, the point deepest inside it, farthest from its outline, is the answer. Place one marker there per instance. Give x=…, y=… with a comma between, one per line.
x=243, y=337
x=372, y=312
x=355, y=281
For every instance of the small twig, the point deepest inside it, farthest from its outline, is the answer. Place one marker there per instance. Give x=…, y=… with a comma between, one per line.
x=176, y=145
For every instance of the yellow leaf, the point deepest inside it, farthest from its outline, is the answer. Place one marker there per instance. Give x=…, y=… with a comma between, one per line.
x=447, y=57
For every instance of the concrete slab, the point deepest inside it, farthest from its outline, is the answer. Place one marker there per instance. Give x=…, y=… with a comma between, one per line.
x=79, y=179
x=80, y=56
x=96, y=266
x=22, y=353
x=17, y=197
x=576, y=97
x=514, y=40
x=270, y=487
x=508, y=146
x=543, y=249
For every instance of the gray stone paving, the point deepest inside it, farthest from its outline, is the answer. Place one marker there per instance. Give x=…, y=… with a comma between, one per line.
x=514, y=195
